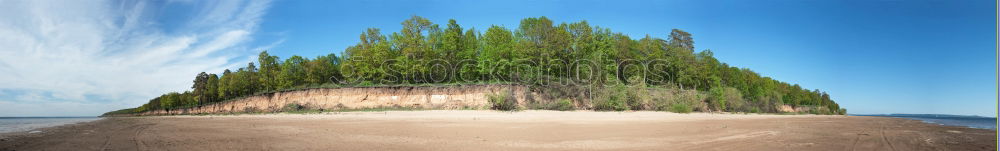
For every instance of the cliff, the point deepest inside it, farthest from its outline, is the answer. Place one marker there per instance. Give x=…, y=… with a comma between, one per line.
x=421, y=97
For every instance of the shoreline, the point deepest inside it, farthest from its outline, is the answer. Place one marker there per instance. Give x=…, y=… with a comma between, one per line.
x=935, y=123
x=27, y=124
x=496, y=130
x=42, y=131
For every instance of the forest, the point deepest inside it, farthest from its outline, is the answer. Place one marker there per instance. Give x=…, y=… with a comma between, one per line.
x=537, y=52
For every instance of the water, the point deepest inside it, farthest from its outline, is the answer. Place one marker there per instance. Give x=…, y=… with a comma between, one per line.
x=18, y=124
x=950, y=120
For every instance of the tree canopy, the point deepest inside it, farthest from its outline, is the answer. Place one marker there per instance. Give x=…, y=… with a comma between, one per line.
x=535, y=52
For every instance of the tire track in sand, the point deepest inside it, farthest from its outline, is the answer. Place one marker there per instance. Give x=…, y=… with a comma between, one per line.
x=857, y=138
x=881, y=129
x=139, y=144
x=107, y=142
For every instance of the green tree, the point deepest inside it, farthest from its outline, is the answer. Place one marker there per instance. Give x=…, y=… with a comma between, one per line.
x=210, y=93
x=269, y=70
x=321, y=70
x=681, y=39
x=167, y=101
x=497, y=53
x=467, y=60
x=200, y=88
x=225, y=90
x=367, y=61
x=452, y=42
x=413, y=48
x=543, y=45
x=452, y=46
x=293, y=72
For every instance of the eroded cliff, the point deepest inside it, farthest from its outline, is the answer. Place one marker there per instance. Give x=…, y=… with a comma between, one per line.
x=421, y=97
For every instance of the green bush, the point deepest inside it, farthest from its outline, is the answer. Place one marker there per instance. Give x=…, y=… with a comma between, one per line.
x=692, y=98
x=728, y=99
x=680, y=108
x=503, y=101
x=611, y=105
x=660, y=104
x=563, y=105
x=735, y=101
x=822, y=111
x=638, y=94
x=612, y=99
x=717, y=98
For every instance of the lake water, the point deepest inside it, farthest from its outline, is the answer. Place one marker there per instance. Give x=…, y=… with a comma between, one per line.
x=17, y=124
x=950, y=120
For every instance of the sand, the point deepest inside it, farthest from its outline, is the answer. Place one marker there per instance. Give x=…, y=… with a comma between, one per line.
x=492, y=130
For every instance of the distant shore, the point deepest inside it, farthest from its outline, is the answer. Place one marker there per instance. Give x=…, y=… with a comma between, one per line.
x=494, y=130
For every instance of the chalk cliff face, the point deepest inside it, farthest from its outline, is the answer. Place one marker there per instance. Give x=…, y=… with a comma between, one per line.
x=426, y=97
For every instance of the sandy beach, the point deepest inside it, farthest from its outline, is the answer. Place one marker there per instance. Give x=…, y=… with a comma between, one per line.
x=493, y=130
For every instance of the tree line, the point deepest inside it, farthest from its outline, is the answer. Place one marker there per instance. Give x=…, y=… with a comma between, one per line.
x=537, y=52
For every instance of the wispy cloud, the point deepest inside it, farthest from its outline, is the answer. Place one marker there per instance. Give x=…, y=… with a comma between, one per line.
x=87, y=57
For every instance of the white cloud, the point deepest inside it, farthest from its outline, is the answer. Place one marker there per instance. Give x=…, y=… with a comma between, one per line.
x=110, y=55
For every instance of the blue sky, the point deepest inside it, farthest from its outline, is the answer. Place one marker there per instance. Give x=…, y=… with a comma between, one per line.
x=912, y=56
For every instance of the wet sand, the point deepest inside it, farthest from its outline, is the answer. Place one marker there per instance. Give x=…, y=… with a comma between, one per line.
x=491, y=130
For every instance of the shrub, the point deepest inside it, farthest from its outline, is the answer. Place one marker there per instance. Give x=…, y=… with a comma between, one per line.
x=774, y=102
x=660, y=104
x=680, y=108
x=612, y=99
x=292, y=107
x=821, y=111
x=735, y=101
x=503, y=101
x=557, y=90
x=692, y=98
x=613, y=104
x=638, y=94
x=727, y=99
x=717, y=98
x=563, y=105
